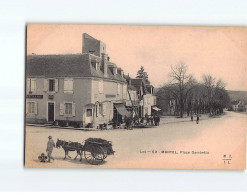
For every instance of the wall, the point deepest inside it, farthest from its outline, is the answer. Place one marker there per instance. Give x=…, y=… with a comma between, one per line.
x=81, y=95
x=148, y=103
x=107, y=97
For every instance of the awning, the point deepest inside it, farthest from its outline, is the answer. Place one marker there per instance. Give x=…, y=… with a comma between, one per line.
x=156, y=108
x=122, y=110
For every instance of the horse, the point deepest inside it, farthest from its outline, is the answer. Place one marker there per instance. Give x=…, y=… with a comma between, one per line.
x=70, y=146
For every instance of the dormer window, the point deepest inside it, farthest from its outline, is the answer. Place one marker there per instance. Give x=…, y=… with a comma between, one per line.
x=94, y=64
x=114, y=71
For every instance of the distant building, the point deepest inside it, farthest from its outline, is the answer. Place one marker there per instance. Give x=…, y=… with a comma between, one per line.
x=238, y=105
x=146, y=97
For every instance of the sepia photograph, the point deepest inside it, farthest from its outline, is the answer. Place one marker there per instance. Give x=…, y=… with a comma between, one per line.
x=135, y=96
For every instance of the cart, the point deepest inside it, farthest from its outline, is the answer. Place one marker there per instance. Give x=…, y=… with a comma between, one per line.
x=95, y=150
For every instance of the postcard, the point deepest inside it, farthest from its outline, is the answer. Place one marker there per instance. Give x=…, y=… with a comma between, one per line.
x=135, y=96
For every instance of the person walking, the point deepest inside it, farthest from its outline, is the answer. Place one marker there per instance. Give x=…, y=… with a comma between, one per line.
x=197, y=119
x=50, y=146
x=191, y=117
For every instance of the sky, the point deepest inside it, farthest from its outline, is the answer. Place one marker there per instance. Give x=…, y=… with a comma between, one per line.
x=218, y=51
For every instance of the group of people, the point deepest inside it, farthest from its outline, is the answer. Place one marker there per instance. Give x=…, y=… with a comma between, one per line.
x=152, y=120
x=197, y=118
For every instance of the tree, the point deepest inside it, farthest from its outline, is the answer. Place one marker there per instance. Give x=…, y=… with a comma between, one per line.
x=182, y=83
x=217, y=96
x=142, y=74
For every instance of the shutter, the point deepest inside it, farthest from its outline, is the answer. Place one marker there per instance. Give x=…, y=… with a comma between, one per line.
x=65, y=85
x=61, y=108
x=56, y=85
x=73, y=109
x=104, y=109
x=35, y=108
x=33, y=85
x=96, y=111
x=72, y=85
x=45, y=84
x=28, y=85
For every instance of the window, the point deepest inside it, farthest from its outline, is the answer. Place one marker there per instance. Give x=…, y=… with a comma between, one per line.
x=51, y=85
x=31, y=85
x=31, y=108
x=94, y=64
x=89, y=112
x=101, y=109
x=101, y=86
x=68, y=108
x=124, y=91
x=68, y=85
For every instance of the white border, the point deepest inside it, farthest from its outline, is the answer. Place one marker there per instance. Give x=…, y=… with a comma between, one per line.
x=15, y=14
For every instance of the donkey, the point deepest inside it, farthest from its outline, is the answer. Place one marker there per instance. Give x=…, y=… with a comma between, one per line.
x=70, y=146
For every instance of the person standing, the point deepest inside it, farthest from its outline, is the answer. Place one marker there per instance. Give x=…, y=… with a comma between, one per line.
x=158, y=120
x=197, y=119
x=155, y=120
x=152, y=120
x=49, y=149
x=191, y=117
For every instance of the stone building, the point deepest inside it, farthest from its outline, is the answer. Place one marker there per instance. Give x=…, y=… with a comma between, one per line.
x=84, y=89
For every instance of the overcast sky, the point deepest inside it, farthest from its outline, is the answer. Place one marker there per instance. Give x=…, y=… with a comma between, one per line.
x=220, y=52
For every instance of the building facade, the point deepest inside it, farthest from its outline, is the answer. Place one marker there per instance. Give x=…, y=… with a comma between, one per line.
x=81, y=89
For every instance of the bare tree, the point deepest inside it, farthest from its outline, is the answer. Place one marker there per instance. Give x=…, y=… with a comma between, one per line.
x=217, y=96
x=183, y=83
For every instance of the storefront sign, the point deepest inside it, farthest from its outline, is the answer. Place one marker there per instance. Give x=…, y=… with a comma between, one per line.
x=110, y=96
x=35, y=96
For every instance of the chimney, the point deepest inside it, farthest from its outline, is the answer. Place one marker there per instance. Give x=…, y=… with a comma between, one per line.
x=104, y=64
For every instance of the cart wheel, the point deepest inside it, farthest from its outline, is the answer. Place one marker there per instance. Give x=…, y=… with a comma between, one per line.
x=95, y=156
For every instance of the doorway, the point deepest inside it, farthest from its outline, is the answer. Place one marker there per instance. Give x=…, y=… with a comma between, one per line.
x=51, y=117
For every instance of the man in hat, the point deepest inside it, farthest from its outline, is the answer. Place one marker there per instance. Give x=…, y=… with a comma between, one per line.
x=50, y=146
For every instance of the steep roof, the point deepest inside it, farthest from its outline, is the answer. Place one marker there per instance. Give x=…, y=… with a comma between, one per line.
x=69, y=65
x=137, y=83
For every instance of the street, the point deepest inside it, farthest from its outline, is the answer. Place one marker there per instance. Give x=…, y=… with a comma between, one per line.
x=214, y=143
